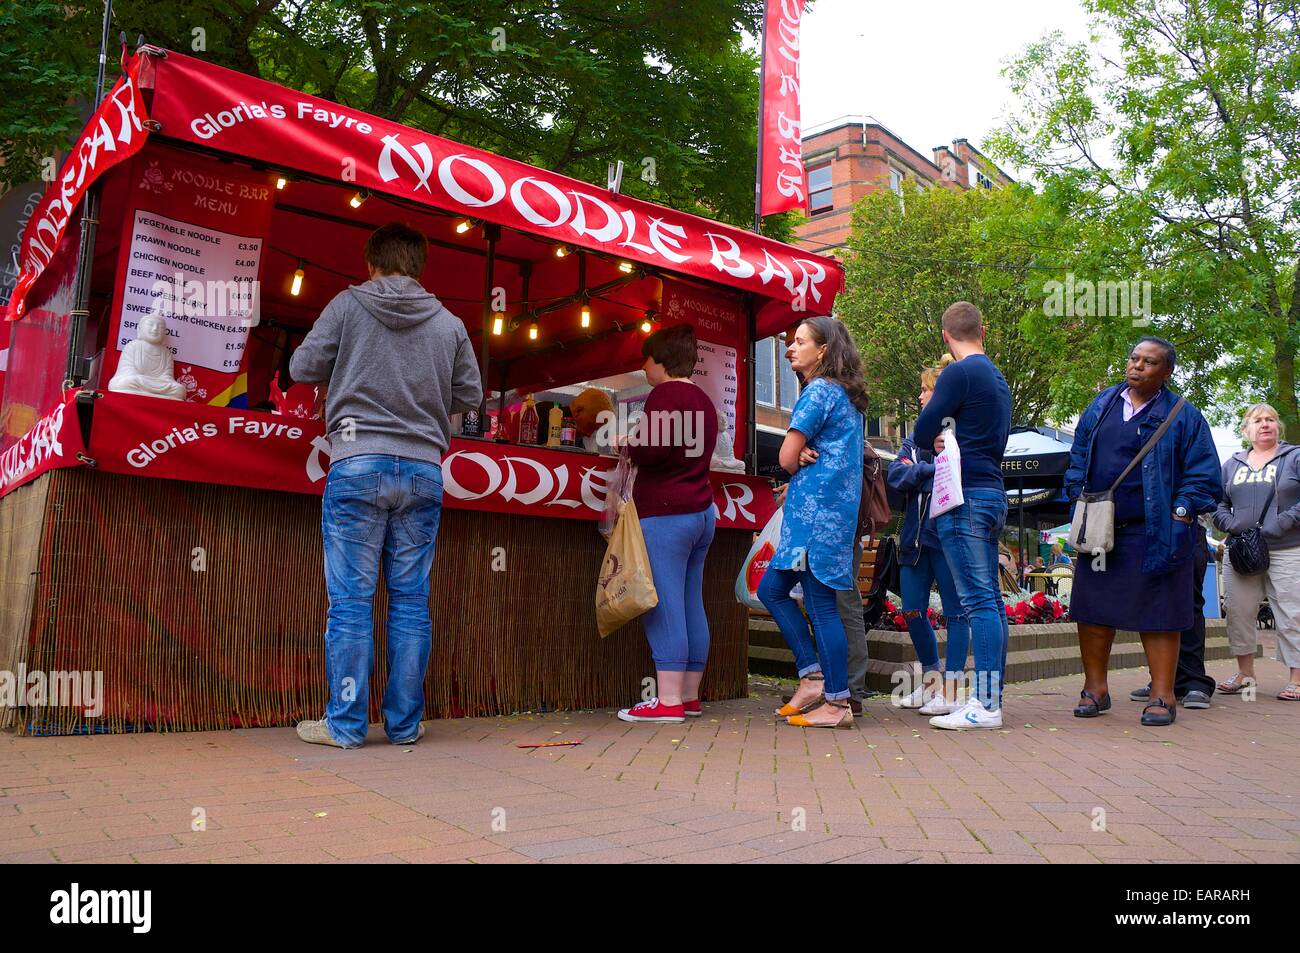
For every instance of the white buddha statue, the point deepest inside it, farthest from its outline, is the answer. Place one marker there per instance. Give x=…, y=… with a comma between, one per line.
x=146, y=364
x=724, y=453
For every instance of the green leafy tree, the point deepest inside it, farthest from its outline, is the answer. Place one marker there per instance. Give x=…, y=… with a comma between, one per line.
x=568, y=85
x=908, y=259
x=48, y=52
x=1185, y=148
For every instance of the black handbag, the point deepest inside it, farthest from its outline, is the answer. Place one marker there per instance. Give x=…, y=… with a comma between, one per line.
x=1248, y=551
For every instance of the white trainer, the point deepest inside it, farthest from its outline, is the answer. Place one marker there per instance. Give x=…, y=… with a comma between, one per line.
x=938, y=705
x=917, y=698
x=971, y=715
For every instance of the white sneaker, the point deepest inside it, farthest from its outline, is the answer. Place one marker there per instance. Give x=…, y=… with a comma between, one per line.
x=971, y=715
x=938, y=705
x=916, y=699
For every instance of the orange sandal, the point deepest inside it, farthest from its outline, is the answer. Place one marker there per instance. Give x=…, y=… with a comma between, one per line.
x=787, y=710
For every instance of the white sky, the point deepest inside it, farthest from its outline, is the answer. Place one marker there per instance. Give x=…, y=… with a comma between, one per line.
x=930, y=72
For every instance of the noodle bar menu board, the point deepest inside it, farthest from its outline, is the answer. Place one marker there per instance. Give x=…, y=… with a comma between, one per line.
x=193, y=252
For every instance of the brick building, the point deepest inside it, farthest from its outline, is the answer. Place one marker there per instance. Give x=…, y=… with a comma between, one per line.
x=847, y=159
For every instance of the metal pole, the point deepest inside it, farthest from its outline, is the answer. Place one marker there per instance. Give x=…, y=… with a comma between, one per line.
x=493, y=232
x=75, y=368
x=758, y=158
x=751, y=403
x=1022, y=527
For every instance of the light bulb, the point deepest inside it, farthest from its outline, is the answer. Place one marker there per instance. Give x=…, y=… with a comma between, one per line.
x=296, y=288
x=281, y=182
x=357, y=199
x=463, y=226
x=625, y=267
x=561, y=251
x=646, y=327
x=586, y=316
x=498, y=324
x=532, y=331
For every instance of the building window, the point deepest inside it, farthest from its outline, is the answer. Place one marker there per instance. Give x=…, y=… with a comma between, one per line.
x=764, y=368
x=896, y=180
x=789, y=382
x=983, y=181
x=873, y=427
x=819, y=189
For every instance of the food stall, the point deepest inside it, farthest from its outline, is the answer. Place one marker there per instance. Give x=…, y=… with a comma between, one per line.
x=174, y=545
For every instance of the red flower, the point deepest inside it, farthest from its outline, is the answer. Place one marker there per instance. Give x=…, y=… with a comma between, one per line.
x=890, y=607
x=1039, y=600
x=900, y=623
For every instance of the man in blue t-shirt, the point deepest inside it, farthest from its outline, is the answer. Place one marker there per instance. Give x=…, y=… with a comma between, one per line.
x=971, y=398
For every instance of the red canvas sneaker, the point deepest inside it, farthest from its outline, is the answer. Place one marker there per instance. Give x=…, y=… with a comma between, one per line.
x=653, y=711
x=693, y=709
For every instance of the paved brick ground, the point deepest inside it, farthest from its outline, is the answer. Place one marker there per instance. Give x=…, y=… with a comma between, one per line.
x=734, y=786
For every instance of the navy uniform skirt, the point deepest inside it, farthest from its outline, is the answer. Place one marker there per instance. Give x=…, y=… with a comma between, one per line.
x=1124, y=597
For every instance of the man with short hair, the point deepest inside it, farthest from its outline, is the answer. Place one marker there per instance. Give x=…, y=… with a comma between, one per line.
x=398, y=365
x=971, y=398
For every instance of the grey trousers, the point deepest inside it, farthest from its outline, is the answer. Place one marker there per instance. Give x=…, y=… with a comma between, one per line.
x=849, y=604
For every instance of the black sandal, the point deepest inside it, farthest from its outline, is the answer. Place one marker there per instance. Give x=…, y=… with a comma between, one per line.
x=1093, y=707
x=1159, y=721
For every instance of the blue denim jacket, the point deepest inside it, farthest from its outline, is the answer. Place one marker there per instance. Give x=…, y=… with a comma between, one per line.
x=1181, y=470
x=914, y=481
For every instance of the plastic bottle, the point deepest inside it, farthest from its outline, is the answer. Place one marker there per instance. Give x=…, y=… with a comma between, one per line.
x=529, y=424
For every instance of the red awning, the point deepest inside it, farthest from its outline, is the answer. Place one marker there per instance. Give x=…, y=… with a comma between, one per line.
x=209, y=106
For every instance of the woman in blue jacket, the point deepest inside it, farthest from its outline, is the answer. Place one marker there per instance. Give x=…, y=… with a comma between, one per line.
x=1145, y=583
x=921, y=565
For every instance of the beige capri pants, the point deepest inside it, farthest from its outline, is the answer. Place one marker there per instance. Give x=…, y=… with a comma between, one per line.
x=1280, y=583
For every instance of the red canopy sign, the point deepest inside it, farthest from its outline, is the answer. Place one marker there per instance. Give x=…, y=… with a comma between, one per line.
x=115, y=132
x=175, y=440
x=220, y=109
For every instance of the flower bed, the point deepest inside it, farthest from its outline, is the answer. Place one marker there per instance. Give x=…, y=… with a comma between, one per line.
x=1022, y=609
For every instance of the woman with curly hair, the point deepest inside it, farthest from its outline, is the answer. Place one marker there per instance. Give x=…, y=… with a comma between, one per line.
x=823, y=452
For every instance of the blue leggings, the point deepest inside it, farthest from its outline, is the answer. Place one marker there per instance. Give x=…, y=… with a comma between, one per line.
x=677, y=628
x=932, y=568
x=826, y=649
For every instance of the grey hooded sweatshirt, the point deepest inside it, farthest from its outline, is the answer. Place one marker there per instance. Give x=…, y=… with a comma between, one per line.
x=1245, y=490
x=398, y=365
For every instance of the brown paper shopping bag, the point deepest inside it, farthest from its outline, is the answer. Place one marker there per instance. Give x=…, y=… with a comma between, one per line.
x=625, y=587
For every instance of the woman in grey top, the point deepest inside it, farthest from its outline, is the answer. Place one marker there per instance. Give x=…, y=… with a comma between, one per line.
x=1270, y=465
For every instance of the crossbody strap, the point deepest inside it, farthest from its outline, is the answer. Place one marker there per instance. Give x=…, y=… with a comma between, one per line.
x=1268, y=500
x=1155, y=438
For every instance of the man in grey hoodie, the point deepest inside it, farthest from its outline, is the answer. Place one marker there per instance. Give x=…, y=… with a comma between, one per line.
x=398, y=365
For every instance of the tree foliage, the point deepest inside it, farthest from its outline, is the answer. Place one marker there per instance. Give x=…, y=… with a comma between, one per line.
x=568, y=85
x=1185, y=150
x=908, y=260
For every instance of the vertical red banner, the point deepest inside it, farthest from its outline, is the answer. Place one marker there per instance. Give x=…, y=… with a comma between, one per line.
x=782, y=180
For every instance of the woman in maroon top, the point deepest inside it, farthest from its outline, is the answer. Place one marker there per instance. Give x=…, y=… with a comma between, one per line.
x=672, y=446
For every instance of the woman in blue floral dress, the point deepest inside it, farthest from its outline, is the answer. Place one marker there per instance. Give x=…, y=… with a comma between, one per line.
x=823, y=451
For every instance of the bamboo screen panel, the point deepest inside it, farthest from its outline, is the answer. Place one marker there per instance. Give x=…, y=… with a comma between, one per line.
x=241, y=643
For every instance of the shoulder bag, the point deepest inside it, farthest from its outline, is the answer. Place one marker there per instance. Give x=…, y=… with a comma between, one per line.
x=1092, y=528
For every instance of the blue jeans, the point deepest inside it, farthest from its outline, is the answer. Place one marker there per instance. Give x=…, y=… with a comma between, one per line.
x=969, y=535
x=378, y=507
x=677, y=628
x=826, y=649
x=932, y=568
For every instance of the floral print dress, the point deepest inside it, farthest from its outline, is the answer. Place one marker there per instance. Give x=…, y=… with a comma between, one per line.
x=821, y=507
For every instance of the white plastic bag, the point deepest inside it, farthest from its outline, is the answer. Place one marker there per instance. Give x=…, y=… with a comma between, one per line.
x=947, y=493
x=756, y=563
x=621, y=480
